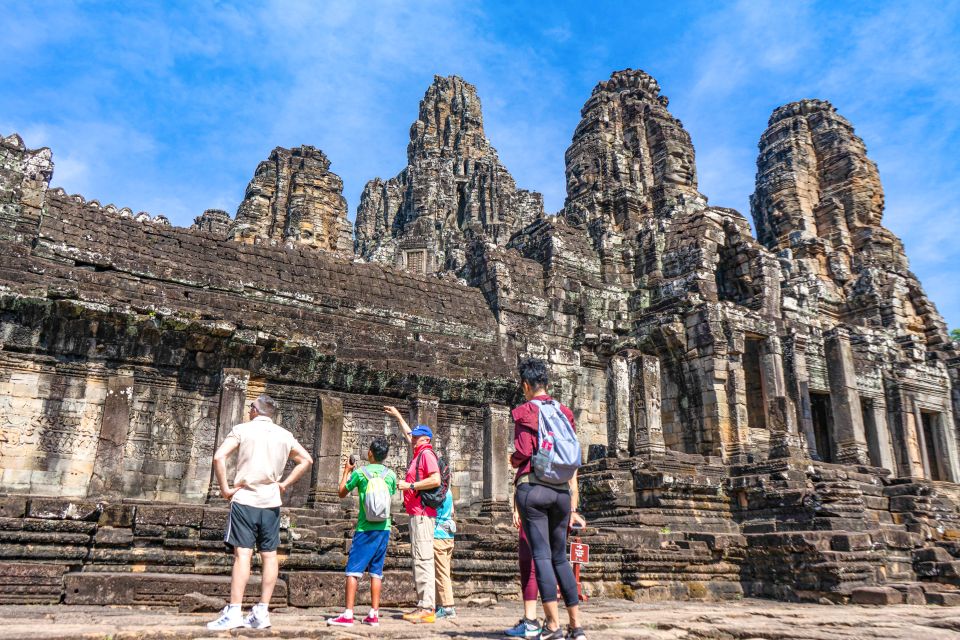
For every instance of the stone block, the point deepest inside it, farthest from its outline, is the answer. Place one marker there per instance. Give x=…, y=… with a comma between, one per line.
x=912, y=593
x=172, y=516
x=117, y=515
x=31, y=583
x=200, y=603
x=876, y=595
x=851, y=542
x=112, y=536
x=58, y=509
x=325, y=589
x=13, y=507
x=932, y=554
x=943, y=598
x=167, y=589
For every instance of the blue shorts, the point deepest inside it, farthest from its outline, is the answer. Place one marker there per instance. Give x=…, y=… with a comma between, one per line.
x=367, y=553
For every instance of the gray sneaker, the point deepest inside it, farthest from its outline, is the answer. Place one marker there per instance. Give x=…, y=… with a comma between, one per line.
x=230, y=618
x=259, y=617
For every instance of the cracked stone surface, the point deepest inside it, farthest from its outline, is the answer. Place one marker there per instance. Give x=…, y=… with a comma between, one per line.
x=606, y=619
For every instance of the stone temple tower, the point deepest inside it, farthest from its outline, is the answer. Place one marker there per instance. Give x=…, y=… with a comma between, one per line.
x=453, y=186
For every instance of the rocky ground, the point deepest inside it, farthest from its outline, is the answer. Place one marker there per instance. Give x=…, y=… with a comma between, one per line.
x=745, y=620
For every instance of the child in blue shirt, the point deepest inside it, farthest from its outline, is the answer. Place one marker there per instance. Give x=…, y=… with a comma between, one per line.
x=442, y=556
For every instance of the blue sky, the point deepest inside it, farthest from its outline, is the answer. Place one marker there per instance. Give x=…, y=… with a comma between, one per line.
x=169, y=107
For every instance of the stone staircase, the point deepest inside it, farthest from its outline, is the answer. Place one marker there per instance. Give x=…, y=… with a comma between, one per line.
x=80, y=552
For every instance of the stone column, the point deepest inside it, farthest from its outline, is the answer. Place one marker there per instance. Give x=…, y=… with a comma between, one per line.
x=107, y=479
x=327, y=452
x=423, y=410
x=950, y=461
x=907, y=447
x=618, y=405
x=926, y=448
x=779, y=409
x=879, y=441
x=800, y=389
x=736, y=432
x=497, y=440
x=848, y=435
x=231, y=412
x=646, y=426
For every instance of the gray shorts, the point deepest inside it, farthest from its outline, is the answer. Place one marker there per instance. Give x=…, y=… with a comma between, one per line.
x=252, y=526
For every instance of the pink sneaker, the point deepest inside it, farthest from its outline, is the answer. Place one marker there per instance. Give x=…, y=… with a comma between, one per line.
x=341, y=621
x=372, y=620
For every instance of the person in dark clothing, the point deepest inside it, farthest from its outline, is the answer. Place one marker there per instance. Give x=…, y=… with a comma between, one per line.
x=546, y=511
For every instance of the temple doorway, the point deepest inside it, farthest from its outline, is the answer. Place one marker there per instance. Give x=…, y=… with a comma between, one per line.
x=756, y=415
x=870, y=430
x=930, y=422
x=821, y=413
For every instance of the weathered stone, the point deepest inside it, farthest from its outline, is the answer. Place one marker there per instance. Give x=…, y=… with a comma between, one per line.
x=154, y=588
x=194, y=602
x=876, y=595
x=294, y=198
x=453, y=186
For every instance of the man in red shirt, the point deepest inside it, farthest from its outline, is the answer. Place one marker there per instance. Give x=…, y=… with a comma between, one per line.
x=425, y=465
x=546, y=510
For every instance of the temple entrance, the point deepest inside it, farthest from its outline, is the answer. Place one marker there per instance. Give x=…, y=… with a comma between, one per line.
x=821, y=412
x=756, y=415
x=675, y=409
x=930, y=422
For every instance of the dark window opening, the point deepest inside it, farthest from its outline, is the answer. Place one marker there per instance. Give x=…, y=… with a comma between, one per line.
x=870, y=429
x=822, y=415
x=930, y=421
x=756, y=415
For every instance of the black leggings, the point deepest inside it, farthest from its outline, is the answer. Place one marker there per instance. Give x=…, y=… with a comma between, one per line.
x=545, y=513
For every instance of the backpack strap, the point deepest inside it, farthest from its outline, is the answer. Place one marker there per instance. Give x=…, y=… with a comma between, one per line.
x=416, y=462
x=363, y=471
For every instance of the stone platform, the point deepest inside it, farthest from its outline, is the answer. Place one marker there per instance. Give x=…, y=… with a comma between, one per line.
x=605, y=619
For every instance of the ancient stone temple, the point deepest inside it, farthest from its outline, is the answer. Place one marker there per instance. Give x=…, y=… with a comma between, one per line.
x=771, y=414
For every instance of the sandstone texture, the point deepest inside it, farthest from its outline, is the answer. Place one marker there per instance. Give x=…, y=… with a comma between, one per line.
x=294, y=198
x=771, y=415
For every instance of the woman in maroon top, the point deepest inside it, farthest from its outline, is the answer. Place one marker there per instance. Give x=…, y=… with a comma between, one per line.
x=546, y=511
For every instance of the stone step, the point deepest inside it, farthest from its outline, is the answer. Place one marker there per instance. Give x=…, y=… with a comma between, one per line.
x=31, y=583
x=155, y=588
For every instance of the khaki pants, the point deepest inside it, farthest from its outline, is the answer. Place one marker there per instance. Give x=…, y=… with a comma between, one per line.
x=442, y=555
x=421, y=551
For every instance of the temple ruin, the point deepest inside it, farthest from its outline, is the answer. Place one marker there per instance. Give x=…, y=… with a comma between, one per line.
x=765, y=414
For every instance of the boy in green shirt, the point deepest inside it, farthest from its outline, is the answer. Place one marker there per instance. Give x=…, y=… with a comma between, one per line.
x=375, y=485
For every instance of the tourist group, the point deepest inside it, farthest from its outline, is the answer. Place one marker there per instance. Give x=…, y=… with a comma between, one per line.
x=546, y=457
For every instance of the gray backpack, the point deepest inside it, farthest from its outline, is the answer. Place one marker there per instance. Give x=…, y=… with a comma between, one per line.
x=376, y=501
x=558, y=453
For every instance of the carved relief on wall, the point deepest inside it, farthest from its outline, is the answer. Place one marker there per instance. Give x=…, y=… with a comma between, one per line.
x=167, y=428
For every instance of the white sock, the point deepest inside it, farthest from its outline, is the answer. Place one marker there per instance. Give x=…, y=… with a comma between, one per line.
x=234, y=608
x=348, y=613
x=262, y=605
x=372, y=613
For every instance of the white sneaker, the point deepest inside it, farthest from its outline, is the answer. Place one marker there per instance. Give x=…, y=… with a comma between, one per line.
x=230, y=618
x=259, y=617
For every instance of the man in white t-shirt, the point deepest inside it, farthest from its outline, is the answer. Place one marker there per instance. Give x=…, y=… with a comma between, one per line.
x=263, y=448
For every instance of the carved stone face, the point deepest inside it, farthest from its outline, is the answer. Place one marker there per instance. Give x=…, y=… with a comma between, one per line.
x=583, y=175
